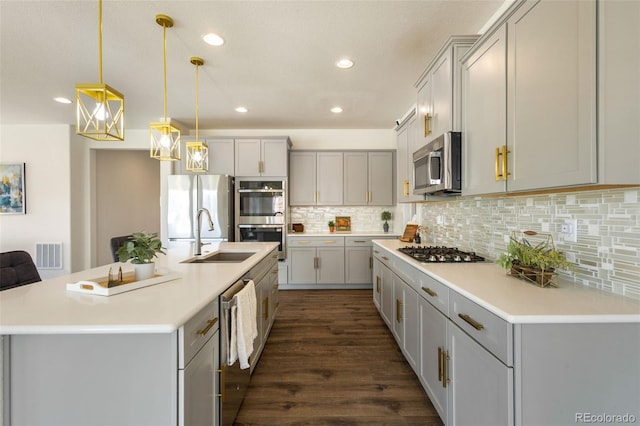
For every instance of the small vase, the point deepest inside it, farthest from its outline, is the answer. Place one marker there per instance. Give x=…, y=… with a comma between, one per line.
x=332, y=228
x=143, y=271
x=385, y=226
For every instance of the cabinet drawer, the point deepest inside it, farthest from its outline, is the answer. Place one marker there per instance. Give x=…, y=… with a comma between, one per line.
x=434, y=292
x=382, y=256
x=196, y=332
x=315, y=241
x=358, y=241
x=491, y=331
x=264, y=266
x=408, y=273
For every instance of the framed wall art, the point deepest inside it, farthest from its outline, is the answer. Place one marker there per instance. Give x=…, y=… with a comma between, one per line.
x=12, y=193
x=343, y=223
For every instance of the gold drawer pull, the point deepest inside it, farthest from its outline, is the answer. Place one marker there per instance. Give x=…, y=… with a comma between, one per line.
x=439, y=363
x=329, y=241
x=210, y=324
x=445, y=373
x=429, y=292
x=475, y=324
x=222, y=382
x=385, y=258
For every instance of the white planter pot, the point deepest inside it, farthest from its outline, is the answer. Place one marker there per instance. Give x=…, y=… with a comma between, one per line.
x=143, y=271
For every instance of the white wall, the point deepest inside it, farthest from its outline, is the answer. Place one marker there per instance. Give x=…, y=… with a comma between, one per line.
x=45, y=150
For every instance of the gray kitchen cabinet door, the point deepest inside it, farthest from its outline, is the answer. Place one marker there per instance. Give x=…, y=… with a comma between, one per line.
x=330, y=265
x=484, y=114
x=248, y=157
x=407, y=138
x=411, y=328
x=302, y=179
x=377, y=284
x=329, y=180
x=387, y=301
x=356, y=185
x=199, y=407
x=441, y=96
x=380, y=178
x=480, y=387
x=551, y=89
x=221, y=156
x=433, y=340
x=274, y=157
x=302, y=265
x=358, y=265
x=425, y=111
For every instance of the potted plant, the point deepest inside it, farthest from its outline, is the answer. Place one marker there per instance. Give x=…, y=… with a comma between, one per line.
x=141, y=248
x=332, y=226
x=535, y=263
x=385, y=215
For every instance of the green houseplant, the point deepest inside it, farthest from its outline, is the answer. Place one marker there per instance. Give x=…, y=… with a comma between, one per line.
x=536, y=263
x=385, y=215
x=332, y=226
x=141, y=248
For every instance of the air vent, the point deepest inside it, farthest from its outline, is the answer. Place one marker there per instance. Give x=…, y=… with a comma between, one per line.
x=49, y=255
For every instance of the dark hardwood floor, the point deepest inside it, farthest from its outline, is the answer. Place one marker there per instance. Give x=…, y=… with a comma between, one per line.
x=331, y=360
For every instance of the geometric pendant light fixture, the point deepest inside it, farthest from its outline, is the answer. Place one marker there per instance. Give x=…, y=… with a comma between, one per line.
x=197, y=151
x=99, y=108
x=165, y=136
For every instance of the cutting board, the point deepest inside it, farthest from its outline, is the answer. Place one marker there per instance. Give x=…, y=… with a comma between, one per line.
x=409, y=232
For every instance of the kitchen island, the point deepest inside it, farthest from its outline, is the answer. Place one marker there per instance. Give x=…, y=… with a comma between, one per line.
x=74, y=358
x=492, y=349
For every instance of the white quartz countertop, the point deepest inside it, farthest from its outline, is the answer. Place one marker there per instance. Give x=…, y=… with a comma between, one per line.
x=518, y=301
x=344, y=234
x=47, y=307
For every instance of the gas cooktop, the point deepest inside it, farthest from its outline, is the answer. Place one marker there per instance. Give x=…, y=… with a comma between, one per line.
x=438, y=254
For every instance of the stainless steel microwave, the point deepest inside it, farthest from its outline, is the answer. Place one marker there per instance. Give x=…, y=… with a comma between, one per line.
x=437, y=166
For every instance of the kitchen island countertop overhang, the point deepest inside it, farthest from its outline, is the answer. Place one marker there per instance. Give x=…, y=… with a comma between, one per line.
x=47, y=307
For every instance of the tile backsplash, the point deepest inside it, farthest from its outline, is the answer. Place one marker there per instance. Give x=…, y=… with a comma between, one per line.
x=607, y=251
x=363, y=219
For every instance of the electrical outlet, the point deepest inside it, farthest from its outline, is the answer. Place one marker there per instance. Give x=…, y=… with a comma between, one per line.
x=569, y=230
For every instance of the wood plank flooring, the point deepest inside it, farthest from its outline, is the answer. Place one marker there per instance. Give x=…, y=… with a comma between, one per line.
x=331, y=360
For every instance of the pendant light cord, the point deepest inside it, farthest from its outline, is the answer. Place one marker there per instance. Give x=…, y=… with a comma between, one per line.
x=197, y=108
x=100, y=41
x=164, y=35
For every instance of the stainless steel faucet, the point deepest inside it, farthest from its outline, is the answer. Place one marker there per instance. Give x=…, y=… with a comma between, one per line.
x=198, y=247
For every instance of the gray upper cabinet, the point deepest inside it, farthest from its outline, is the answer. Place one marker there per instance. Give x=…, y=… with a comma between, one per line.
x=439, y=91
x=221, y=156
x=315, y=178
x=368, y=178
x=261, y=157
x=407, y=144
x=530, y=104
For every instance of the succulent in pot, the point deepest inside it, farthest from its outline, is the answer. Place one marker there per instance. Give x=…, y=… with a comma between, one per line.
x=141, y=248
x=536, y=263
x=332, y=225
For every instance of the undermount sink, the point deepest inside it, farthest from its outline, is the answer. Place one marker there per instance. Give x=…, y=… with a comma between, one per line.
x=222, y=257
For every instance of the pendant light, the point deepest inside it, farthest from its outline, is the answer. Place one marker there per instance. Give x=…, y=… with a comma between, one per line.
x=197, y=151
x=165, y=136
x=99, y=108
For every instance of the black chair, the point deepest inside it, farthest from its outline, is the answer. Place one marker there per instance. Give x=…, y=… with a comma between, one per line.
x=116, y=243
x=16, y=269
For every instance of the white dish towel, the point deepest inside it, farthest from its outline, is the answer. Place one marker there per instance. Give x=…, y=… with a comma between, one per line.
x=244, y=326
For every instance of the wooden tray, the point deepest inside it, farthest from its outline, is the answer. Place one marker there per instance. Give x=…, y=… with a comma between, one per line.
x=100, y=287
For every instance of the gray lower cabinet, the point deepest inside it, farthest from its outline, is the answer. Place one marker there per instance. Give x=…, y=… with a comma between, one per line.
x=479, y=369
x=265, y=278
x=197, y=386
x=316, y=260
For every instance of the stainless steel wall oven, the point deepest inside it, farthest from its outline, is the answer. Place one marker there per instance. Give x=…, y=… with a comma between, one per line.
x=261, y=211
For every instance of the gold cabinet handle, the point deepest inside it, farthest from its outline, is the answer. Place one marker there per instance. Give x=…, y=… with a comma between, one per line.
x=505, y=172
x=370, y=262
x=398, y=309
x=329, y=241
x=315, y=263
x=501, y=152
x=439, y=363
x=210, y=323
x=405, y=188
x=376, y=251
x=378, y=283
x=266, y=308
x=385, y=258
x=222, y=382
x=473, y=323
x=445, y=372
x=429, y=292
x=427, y=122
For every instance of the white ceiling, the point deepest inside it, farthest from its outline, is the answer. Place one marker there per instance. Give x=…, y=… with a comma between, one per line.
x=278, y=59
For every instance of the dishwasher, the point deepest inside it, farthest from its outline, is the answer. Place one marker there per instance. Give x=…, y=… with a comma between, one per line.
x=233, y=380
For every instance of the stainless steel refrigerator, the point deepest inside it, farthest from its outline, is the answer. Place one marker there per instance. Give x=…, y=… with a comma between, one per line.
x=187, y=194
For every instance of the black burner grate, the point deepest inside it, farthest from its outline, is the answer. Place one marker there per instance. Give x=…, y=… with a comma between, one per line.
x=440, y=254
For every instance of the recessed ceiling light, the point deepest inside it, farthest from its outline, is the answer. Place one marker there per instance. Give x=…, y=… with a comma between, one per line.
x=213, y=39
x=344, y=63
x=336, y=110
x=241, y=109
x=62, y=100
